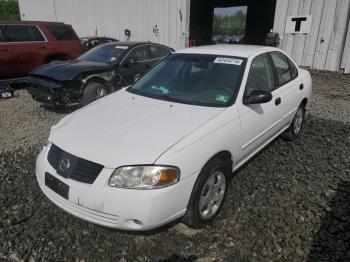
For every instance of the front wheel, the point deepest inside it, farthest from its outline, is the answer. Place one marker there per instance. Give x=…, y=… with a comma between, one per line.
x=92, y=92
x=295, y=127
x=208, y=195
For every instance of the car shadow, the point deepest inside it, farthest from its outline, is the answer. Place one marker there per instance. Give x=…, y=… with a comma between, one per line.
x=150, y=232
x=332, y=241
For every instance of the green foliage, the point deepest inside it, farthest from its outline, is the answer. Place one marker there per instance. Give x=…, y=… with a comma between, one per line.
x=229, y=24
x=9, y=10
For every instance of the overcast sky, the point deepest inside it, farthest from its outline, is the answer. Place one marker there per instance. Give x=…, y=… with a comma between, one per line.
x=229, y=10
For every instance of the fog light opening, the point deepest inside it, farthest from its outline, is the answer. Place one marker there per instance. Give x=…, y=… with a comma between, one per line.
x=133, y=224
x=137, y=222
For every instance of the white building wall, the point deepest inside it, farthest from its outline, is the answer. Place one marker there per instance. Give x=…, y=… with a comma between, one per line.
x=42, y=10
x=112, y=17
x=324, y=46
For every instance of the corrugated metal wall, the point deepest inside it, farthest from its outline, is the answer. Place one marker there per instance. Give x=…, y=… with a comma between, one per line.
x=324, y=47
x=112, y=17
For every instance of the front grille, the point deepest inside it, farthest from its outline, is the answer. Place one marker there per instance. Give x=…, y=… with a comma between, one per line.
x=70, y=166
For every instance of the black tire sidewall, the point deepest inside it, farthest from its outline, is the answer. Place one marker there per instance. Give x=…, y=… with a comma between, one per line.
x=89, y=92
x=289, y=134
x=192, y=217
x=294, y=135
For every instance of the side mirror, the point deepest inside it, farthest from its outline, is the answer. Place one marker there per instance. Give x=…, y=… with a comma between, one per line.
x=257, y=97
x=129, y=62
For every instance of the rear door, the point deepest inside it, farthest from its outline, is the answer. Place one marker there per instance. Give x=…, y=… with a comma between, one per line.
x=157, y=53
x=64, y=41
x=6, y=63
x=289, y=87
x=26, y=45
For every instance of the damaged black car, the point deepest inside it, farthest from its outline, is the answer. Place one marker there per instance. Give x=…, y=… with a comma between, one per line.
x=97, y=73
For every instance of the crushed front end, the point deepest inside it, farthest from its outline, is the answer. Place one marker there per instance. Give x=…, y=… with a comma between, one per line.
x=53, y=92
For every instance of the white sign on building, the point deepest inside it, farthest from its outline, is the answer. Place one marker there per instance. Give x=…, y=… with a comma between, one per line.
x=298, y=24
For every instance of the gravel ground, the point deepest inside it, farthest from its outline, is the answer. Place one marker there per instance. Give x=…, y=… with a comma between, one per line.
x=291, y=202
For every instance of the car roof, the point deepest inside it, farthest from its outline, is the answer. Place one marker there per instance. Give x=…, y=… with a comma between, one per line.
x=226, y=49
x=133, y=43
x=30, y=23
x=96, y=37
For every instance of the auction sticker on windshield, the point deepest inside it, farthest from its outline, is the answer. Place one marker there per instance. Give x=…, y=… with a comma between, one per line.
x=228, y=60
x=122, y=47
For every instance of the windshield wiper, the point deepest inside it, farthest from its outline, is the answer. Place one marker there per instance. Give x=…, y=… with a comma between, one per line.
x=171, y=98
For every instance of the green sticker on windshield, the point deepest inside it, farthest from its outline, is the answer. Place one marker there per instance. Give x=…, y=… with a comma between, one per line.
x=222, y=98
x=161, y=89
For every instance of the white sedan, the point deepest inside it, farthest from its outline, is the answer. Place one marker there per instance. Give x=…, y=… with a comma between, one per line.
x=165, y=148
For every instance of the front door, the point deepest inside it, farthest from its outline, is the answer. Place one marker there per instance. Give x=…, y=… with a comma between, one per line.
x=27, y=46
x=6, y=63
x=135, y=63
x=259, y=122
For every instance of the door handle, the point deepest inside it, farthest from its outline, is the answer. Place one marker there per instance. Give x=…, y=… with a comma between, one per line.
x=278, y=101
x=301, y=87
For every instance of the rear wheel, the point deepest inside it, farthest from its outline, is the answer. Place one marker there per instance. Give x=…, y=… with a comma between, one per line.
x=92, y=92
x=208, y=195
x=295, y=127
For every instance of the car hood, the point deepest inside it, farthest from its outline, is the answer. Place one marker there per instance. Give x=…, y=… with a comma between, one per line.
x=127, y=129
x=68, y=70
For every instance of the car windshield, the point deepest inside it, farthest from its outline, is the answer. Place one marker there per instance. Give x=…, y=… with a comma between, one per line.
x=104, y=53
x=197, y=79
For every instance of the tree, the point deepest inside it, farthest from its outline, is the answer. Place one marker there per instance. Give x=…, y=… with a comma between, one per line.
x=9, y=10
x=229, y=24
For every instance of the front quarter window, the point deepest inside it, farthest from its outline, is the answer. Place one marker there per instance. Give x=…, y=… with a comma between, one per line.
x=197, y=79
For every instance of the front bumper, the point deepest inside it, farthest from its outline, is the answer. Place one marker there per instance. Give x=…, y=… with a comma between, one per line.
x=52, y=93
x=125, y=209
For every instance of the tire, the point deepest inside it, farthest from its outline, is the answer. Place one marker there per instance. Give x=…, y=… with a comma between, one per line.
x=295, y=127
x=199, y=213
x=92, y=92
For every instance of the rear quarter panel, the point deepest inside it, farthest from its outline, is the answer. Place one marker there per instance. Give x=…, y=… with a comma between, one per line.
x=69, y=49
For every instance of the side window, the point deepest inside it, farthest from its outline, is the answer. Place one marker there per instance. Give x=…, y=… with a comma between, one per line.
x=21, y=33
x=260, y=75
x=285, y=73
x=105, y=40
x=93, y=43
x=140, y=53
x=37, y=36
x=1, y=36
x=62, y=32
x=294, y=69
x=159, y=51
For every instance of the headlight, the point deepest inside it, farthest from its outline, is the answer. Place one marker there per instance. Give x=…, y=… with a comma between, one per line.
x=144, y=177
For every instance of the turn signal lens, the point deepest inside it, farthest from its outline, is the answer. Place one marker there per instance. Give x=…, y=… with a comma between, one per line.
x=167, y=176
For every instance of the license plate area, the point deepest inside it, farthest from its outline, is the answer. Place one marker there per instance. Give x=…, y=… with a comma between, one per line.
x=57, y=185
